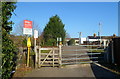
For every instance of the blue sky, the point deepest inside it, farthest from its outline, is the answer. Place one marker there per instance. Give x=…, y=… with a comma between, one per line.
x=68, y=0
x=77, y=16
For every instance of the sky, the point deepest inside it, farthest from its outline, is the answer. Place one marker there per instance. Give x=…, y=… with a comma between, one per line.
x=77, y=16
x=63, y=0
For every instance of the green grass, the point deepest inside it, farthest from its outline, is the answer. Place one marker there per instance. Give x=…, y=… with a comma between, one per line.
x=97, y=51
x=45, y=51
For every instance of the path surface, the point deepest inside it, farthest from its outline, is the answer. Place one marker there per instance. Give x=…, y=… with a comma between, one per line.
x=81, y=70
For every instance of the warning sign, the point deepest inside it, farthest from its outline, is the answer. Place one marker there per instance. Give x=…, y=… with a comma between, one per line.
x=27, y=27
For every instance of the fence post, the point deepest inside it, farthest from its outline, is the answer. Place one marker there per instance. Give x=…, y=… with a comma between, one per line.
x=53, y=56
x=39, y=61
x=36, y=56
x=60, y=55
x=112, y=51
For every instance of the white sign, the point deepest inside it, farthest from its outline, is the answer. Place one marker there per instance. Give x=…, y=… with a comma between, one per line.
x=27, y=31
x=27, y=27
x=35, y=34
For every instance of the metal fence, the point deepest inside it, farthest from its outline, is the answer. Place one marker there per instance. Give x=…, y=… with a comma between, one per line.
x=116, y=50
x=112, y=54
x=81, y=54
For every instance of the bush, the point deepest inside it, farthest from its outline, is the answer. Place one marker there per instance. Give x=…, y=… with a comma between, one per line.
x=50, y=42
x=71, y=42
x=9, y=56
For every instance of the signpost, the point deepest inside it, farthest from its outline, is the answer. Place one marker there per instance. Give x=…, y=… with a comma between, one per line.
x=27, y=29
x=35, y=34
x=35, y=50
x=59, y=40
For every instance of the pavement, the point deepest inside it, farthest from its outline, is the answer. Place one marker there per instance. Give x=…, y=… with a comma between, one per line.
x=81, y=70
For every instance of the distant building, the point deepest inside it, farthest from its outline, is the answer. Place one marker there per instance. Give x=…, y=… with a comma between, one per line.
x=96, y=40
x=93, y=40
x=82, y=40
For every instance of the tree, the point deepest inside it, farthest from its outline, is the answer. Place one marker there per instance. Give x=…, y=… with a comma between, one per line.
x=18, y=29
x=71, y=42
x=54, y=29
x=9, y=50
x=7, y=9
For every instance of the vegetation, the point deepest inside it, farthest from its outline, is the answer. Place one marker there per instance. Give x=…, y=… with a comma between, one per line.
x=24, y=42
x=9, y=50
x=19, y=41
x=71, y=42
x=45, y=51
x=54, y=29
x=96, y=51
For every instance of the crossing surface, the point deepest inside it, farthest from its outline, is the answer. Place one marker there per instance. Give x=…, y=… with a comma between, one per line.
x=81, y=70
x=79, y=55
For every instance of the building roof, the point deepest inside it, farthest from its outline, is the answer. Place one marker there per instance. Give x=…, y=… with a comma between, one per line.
x=102, y=37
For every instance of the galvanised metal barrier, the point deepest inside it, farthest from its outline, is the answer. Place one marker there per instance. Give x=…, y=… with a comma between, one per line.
x=81, y=54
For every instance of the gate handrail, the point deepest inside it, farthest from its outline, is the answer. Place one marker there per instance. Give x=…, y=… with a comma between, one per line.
x=49, y=48
x=82, y=54
x=92, y=45
x=81, y=49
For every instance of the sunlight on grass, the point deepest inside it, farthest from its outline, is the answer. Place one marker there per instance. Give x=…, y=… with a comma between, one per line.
x=96, y=51
x=45, y=51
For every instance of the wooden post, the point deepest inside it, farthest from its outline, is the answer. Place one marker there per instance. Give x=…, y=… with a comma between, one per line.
x=39, y=61
x=36, y=56
x=53, y=56
x=60, y=56
x=28, y=58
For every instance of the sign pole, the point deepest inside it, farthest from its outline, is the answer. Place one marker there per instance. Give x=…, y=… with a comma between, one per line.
x=35, y=53
x=28, y=56
x=35, y=49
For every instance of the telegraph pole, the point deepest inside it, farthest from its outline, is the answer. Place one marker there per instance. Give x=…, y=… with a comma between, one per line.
x=100, y=32
x=80, y=34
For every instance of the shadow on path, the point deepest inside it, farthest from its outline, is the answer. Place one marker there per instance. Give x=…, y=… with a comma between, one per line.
x=101, y=73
